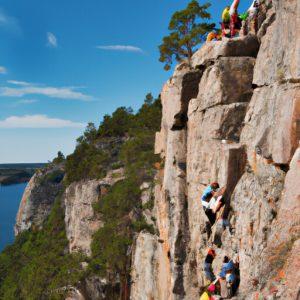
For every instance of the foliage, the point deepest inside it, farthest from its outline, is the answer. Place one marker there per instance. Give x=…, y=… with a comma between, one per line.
x=90, y=160
x=141, y=224
x=118, y=124
x=186, y=32
x=60, y=158
x=111, y=244
x=36, y=266
x=87, y=161
x=53, y=177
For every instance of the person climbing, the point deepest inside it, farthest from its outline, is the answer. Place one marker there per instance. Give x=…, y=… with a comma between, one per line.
x=208, y=271
x=235, y=20
x=208, y=294
x=228, y=277
x=212, y=36
x=249, y=18
x=212, y=200
x=228, y=265
x=225, y=24
x=252, y=18
x=231, y=20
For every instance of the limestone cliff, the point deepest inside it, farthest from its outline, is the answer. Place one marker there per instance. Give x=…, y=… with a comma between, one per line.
x=80, y=219
x=234, y=119
x=38, y=197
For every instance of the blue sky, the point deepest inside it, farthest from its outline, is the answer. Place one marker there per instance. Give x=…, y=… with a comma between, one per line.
x=64, y=63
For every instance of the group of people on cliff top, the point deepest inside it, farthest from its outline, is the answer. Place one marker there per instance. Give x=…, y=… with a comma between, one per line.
x=234, y=23
x=226, y=283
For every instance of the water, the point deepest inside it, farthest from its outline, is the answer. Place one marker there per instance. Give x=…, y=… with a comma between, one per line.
x=10, y=197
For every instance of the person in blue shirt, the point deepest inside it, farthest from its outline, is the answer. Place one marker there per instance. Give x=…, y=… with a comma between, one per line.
x=230, y=273
x=227, y=266
x=207, y=195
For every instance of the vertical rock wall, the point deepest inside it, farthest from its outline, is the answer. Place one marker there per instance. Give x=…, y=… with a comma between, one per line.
x=80, y=219
x=38, y=198
x=252, y=104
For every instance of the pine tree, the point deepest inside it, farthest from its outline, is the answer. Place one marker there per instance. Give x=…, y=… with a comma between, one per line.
x=186, y=32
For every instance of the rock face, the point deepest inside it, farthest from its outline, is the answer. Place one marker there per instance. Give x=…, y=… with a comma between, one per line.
x=235, y=119
x=80, y=219
x=38, y=198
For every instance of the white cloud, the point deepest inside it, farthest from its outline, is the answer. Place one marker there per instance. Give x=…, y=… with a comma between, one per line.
x=3, y=70
x=52, y=92
x=9, y=22
x=38, y=121
x=17, y=82
x=127, y=48
x=52, y=40
x=27, y=101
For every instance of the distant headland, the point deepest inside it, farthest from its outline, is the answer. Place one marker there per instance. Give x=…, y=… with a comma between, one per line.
x=17, y=172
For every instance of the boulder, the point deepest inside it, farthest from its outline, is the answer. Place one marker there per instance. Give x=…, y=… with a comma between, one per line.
x=237, y=47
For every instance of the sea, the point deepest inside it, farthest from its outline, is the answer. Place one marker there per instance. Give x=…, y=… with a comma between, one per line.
x=10, y=197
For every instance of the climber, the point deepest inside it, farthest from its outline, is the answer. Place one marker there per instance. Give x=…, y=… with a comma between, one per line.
x=231, y=19
x=252, y=18
x=249, y=19
x=209, y=192
x=225, y=24
x=229, y=277
x=208, y=271
x=208, y=294
x=212, y=36
x=212, y=201
x=228, y=265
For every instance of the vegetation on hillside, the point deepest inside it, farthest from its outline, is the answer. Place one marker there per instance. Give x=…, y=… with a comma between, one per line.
x=187, y=30
x=111, y=244
x=37, y=265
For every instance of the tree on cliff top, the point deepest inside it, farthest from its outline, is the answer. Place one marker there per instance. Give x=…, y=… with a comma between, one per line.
x=186, y=32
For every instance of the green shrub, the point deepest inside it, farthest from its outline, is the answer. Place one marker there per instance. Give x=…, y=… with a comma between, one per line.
x=53, y=177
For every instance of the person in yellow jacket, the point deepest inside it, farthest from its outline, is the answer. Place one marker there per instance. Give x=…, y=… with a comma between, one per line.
x=208, y=294
x=226, y=15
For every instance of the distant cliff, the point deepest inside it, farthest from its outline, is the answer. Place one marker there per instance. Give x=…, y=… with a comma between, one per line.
x=17, y=173
x=39, y=197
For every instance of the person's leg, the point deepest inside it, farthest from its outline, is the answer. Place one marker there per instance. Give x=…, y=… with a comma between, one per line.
x=234, y=6
x=209, y=274
x=211, y=216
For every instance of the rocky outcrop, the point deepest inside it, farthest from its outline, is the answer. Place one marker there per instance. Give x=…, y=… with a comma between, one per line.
x=144, y=267
x=233, y=119
x=80, y=219
x=38, y=198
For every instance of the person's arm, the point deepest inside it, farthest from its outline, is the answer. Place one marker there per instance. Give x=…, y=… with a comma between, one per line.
x=218, y=205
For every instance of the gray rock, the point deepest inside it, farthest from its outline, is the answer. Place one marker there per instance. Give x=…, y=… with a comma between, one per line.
x=38, y=198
